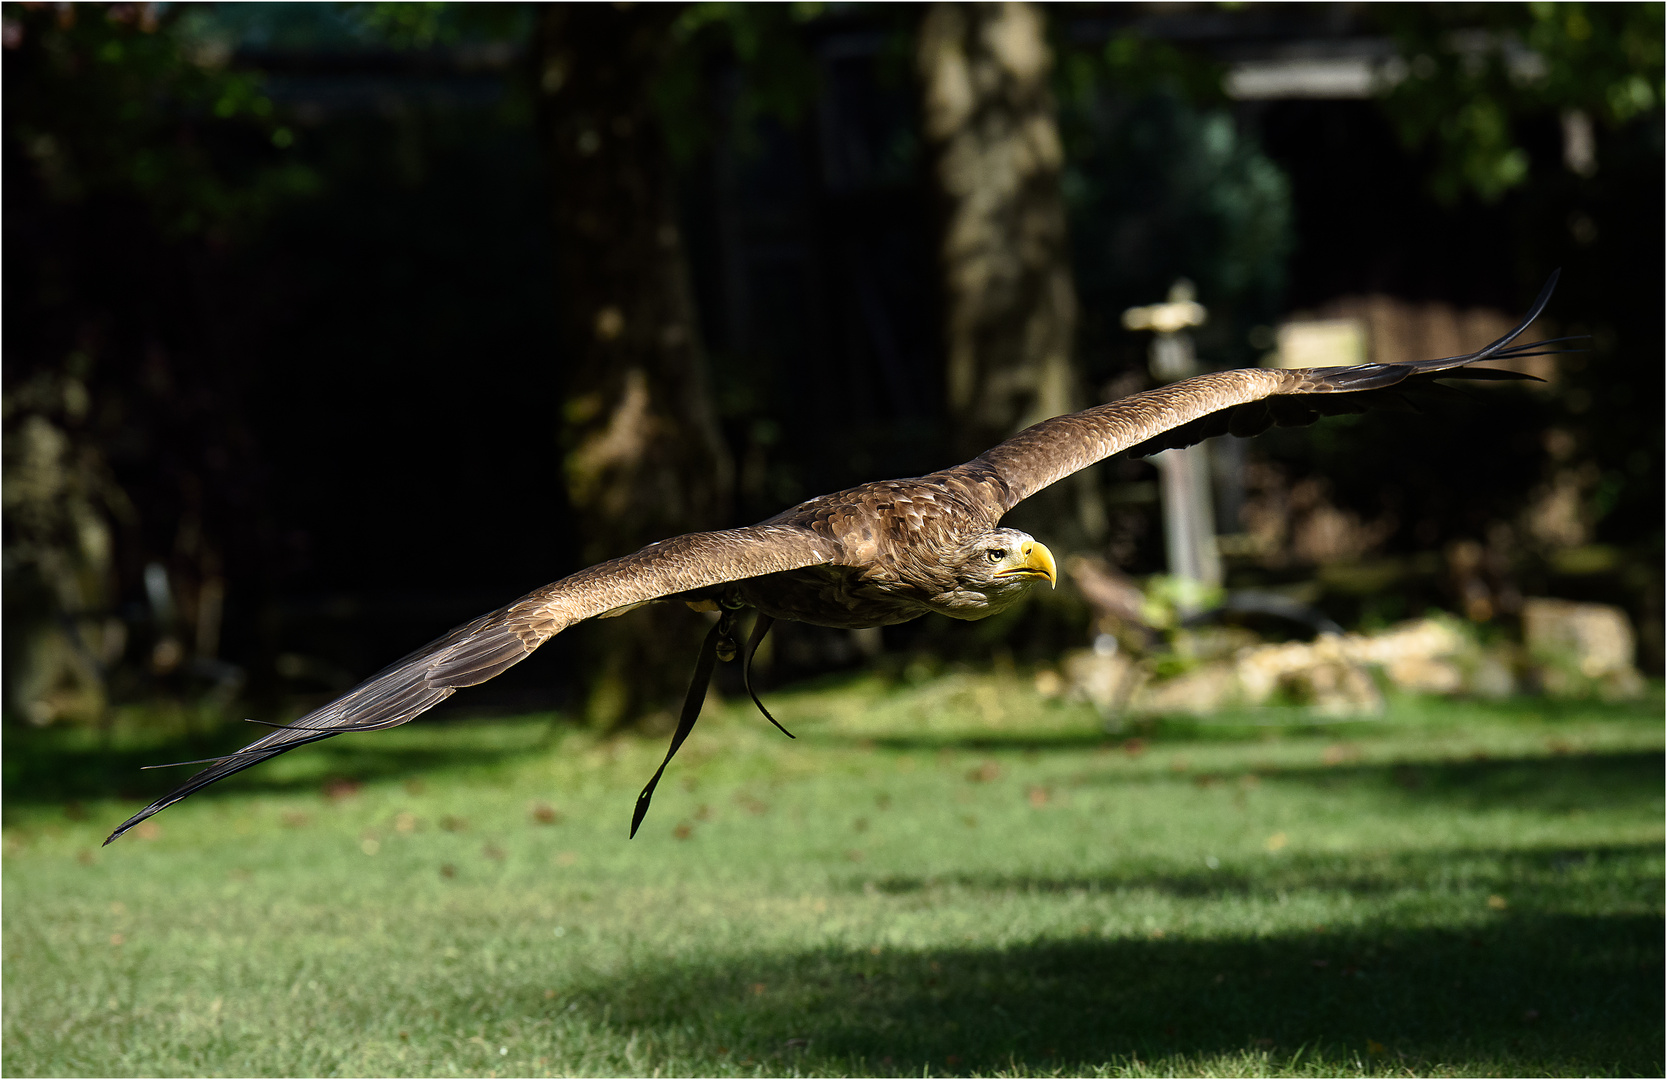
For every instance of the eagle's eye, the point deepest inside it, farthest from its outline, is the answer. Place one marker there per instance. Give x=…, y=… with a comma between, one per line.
x=996, y=554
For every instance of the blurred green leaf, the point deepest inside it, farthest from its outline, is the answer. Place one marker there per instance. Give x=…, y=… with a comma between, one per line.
x=1476, y=76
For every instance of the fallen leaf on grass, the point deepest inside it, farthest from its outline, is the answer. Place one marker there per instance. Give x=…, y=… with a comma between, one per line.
x=1338, y=753
x=340, y=788
x=544, y=814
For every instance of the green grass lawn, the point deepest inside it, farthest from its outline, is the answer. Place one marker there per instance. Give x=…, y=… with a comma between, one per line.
x=947, y=876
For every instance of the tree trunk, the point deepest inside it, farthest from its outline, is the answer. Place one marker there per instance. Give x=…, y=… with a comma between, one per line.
x=643, y=456
x=1009, y=302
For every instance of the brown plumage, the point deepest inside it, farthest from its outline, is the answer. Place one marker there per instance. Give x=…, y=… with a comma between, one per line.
x=872, y=555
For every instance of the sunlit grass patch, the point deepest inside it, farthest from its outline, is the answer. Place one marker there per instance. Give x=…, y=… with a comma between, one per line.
x=948, y=875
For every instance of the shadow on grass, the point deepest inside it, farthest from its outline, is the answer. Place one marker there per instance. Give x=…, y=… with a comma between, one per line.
x=51, y=767
x=1558, y=783
x=1534, y=994
x=1016, y=741
x=1513, y=872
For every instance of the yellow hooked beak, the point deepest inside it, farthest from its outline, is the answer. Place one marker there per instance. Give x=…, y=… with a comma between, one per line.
x=1038, y=563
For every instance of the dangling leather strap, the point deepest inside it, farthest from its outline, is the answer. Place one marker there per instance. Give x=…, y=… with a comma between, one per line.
x=692, y=701
x=760, y=627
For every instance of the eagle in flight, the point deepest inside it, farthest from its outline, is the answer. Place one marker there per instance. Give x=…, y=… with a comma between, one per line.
x=872, y=555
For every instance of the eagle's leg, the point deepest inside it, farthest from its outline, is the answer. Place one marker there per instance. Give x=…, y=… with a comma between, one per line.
x=760, y=627
x=722, y=632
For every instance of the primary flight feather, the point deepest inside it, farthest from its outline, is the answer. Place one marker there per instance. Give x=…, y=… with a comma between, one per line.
x=872, y=555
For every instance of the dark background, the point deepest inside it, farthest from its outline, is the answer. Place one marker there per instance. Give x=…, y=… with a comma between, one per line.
x=317, y=339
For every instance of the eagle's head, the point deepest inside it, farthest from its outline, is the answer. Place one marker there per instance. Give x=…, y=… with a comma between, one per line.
x=996, y=568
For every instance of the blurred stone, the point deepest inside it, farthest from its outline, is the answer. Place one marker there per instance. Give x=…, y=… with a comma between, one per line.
x=1333, y=674
x=1204, y=689
x=1574, y=649
x=1422, y=656
x=1492, y=676
x=1578, y=649
x=1105, y=677
x=1322, y=674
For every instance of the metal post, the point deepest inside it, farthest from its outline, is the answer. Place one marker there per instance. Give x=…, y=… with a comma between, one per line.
x=1184, y=474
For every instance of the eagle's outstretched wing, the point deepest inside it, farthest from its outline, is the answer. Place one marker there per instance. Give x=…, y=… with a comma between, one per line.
x=1246, y=401
x=476, y=651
